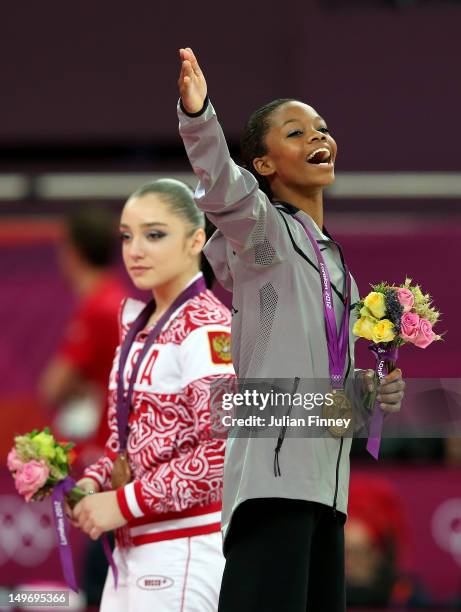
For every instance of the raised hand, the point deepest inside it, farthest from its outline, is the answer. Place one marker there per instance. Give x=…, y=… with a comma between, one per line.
x=191, y=82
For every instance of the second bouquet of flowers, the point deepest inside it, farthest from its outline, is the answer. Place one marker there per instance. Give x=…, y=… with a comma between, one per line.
x=390, y=317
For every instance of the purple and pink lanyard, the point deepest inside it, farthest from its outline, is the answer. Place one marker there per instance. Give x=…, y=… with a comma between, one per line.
x=338, y=343
x=123, y=411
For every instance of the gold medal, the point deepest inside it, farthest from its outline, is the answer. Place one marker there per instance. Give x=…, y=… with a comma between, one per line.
x=340, y=408
x=121, y=472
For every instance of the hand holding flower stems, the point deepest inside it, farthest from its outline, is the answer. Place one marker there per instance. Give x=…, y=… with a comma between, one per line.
x=191, y=82
x=389, y=392
x=96, y=514
x=89, y=486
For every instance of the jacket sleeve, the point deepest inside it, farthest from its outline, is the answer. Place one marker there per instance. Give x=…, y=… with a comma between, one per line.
x=227, y=193
x=194, y=476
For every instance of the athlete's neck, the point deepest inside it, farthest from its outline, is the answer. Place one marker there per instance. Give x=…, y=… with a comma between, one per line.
x=165, y=295
x=311, y=203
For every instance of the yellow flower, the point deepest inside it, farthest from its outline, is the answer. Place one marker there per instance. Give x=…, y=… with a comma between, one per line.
x=383, y=331
x=375, y=303
x=365, y=312
x=45, y=444
x=364, y=328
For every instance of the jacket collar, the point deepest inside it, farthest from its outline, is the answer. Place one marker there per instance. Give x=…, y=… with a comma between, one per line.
x=321, y=236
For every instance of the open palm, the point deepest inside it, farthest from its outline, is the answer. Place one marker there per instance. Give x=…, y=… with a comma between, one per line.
x=191, y=82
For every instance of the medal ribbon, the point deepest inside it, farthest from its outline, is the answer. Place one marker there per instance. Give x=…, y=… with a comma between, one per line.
x=383, y=354
x=337, y=344
x=61, y=525
x=124, y=401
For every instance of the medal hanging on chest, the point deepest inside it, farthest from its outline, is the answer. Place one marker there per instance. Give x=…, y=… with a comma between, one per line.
x=121, y=471
x=340, y=409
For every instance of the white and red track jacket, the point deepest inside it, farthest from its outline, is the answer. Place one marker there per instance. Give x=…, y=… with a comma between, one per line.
x=177, y=467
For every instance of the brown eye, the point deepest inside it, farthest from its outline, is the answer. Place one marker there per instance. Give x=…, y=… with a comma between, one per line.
x=294, y=133
x=324, y=130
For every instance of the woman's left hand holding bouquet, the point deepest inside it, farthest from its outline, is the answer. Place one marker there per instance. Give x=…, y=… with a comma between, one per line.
x=89, y=486
x=98, y=513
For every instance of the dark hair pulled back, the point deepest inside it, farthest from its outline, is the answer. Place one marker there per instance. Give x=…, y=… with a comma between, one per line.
x=253, y=142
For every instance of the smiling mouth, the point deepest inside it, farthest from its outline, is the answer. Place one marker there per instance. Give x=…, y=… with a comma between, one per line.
x=321, y=156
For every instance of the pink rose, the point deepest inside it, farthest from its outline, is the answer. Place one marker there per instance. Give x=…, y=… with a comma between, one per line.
x=13, y=462
x=406, y=298
x=409, y=327
x=425, y=334
x=31, y=477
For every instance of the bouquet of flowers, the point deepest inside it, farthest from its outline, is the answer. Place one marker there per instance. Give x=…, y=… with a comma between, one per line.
x=390, y=317
x=40, y=467
x=38, y=463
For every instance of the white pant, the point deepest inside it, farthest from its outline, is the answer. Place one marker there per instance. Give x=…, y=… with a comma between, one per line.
x=182, y=575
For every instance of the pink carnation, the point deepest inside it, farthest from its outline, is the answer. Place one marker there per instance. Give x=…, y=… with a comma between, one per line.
x=409, y=327
x=13, y=462
x=31, y=477
x=406, y=298
x=425, y=334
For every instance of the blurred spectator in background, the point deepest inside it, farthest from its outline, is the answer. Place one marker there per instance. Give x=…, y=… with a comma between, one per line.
x=375, y=538
x=74, y=382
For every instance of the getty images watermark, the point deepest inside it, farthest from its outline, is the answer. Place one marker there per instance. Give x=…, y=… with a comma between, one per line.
x=431, y=408
x=306, y=408
x=253, y=399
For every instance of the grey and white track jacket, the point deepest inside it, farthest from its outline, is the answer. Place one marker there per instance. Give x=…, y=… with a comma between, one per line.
x=261, y=253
